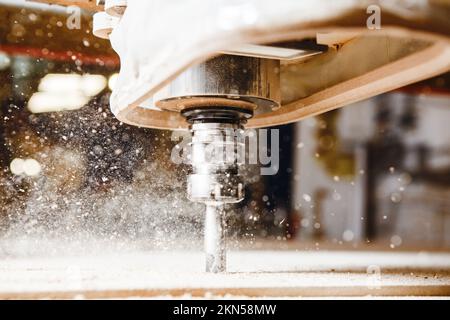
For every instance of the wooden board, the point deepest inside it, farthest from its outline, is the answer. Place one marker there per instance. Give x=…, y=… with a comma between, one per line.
x=64, y=44
x=84, y=4
x=424, y=64
x=361, y=63
x=291, y=274
x=364, y=66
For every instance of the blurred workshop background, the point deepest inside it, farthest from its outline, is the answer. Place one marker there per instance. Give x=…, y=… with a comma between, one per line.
x=376, y=173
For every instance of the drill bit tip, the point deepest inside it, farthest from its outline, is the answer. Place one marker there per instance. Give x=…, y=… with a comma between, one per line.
x=215, y=239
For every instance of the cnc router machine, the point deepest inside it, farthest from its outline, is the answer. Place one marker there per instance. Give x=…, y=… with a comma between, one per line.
x=227, y=66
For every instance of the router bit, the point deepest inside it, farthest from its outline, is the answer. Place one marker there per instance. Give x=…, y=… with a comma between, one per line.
x=215, y=239
x=216, y=98
x=214, y=178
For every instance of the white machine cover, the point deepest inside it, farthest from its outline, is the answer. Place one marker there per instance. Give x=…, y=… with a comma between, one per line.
x=157, y=39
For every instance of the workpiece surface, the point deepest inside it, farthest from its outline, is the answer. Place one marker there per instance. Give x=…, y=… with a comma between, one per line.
x=250, y=274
